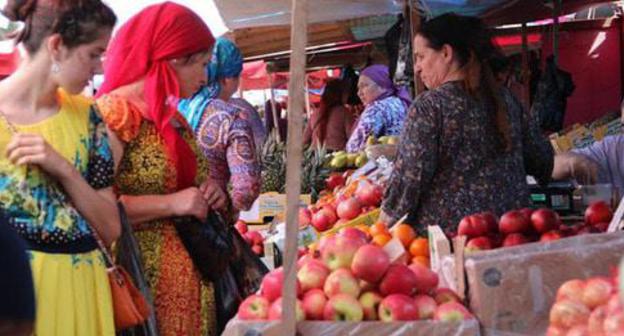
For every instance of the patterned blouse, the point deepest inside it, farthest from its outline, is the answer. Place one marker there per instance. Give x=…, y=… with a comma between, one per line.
x=39, y=209
x=226, y=139
x=448, y=166
x=382, y=117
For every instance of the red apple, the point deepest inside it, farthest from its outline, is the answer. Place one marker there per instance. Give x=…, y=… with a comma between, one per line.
x=256, y=237
x=275, y=312
x=312, y=274
x=426, y=279
x=550, y=236
x=369, y=194
x=340, y=251
x=478, y=244
x=370, y=263
x=354, y=233
x=349, y=208
x=578, y=331
x=241, y=226
x=370, y=304
x=596, y=321
x=305, y=217
x=555, y=331
x=597, y=292
x=567, y=314
x=341, y=281
x=426, y=306
x=515, y=239
x=324, y=219
x=314, y=302
x=398, y=307
x=544, y=220
x=614, y=324
x=255, y=307
x=271, y=286
x=491, y=220
x=598, y=212
x=452, y=312
x=258, y=249
x=326, y=241
x=444, y=295
x=399, y=279
x=343, y=307
x=473, y=226
x=572, y=290
x=513, y=222
x=601, y=227
x=334, y=180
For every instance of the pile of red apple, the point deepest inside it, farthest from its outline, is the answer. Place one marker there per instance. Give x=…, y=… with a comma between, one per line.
x=253, y=238
x=351, y=279
x=587, y=308
x=345, y=204
x=516, y=227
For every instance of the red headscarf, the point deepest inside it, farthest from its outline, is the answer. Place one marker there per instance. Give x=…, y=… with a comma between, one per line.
x=141, y=49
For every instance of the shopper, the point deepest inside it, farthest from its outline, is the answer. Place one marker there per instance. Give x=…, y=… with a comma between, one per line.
x=156, y=57
x=385, y=107
x=223, y=131
x=56, y=166
x=331, y=124
x=467, y=145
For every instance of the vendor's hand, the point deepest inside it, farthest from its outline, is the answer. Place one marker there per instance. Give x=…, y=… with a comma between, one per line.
x=583, y=169
x=24, y=149
x=216, y=198
x=190, y=202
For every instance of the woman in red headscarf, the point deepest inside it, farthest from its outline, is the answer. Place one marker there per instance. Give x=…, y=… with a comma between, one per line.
x=156, y=58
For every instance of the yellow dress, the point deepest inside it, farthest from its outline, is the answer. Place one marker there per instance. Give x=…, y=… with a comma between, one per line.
x=71, y=286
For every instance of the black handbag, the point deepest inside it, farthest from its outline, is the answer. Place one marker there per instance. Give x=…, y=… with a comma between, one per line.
x=240, y=279
x=208, y=242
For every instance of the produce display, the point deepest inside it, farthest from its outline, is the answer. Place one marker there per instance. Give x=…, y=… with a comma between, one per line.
x=350, y=278
x=253, y=238
x=485, y=232
x=589, y=307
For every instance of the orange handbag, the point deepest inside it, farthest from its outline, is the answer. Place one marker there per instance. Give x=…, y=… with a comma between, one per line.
x=130, y=308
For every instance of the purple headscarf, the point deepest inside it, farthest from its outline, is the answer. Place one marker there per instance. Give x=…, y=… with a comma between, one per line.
x=380, y=74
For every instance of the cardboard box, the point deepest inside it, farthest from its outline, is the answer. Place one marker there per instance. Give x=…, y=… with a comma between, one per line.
x=271, y=205
x=511, y=290
x=372, y=328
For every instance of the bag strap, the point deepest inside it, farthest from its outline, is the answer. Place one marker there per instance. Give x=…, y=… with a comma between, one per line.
x=108, y=257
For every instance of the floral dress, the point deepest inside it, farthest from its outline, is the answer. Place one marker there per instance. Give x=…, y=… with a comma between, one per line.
x=184, y=303
x=71, y=285
x=381, y=117
x=448, y=165
x=225, y=137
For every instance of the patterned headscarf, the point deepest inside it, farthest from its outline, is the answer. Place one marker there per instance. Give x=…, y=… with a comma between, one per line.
x=380, y=74
x=227, y=62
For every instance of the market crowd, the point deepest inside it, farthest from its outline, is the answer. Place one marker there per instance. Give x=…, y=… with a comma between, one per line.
x=163, y=142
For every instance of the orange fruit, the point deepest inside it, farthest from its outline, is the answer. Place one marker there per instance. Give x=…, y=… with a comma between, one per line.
x=419, y=247
x=381, y=239
x=405, y=234
x=378, y=228
x=421, y=260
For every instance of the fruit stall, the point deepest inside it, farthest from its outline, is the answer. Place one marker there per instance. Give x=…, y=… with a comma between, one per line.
x=337, y=270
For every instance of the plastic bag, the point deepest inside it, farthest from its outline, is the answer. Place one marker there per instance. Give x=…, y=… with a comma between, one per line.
x=209, y=243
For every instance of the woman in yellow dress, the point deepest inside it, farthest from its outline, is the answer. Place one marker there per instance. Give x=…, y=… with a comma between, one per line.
x=56, y=164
